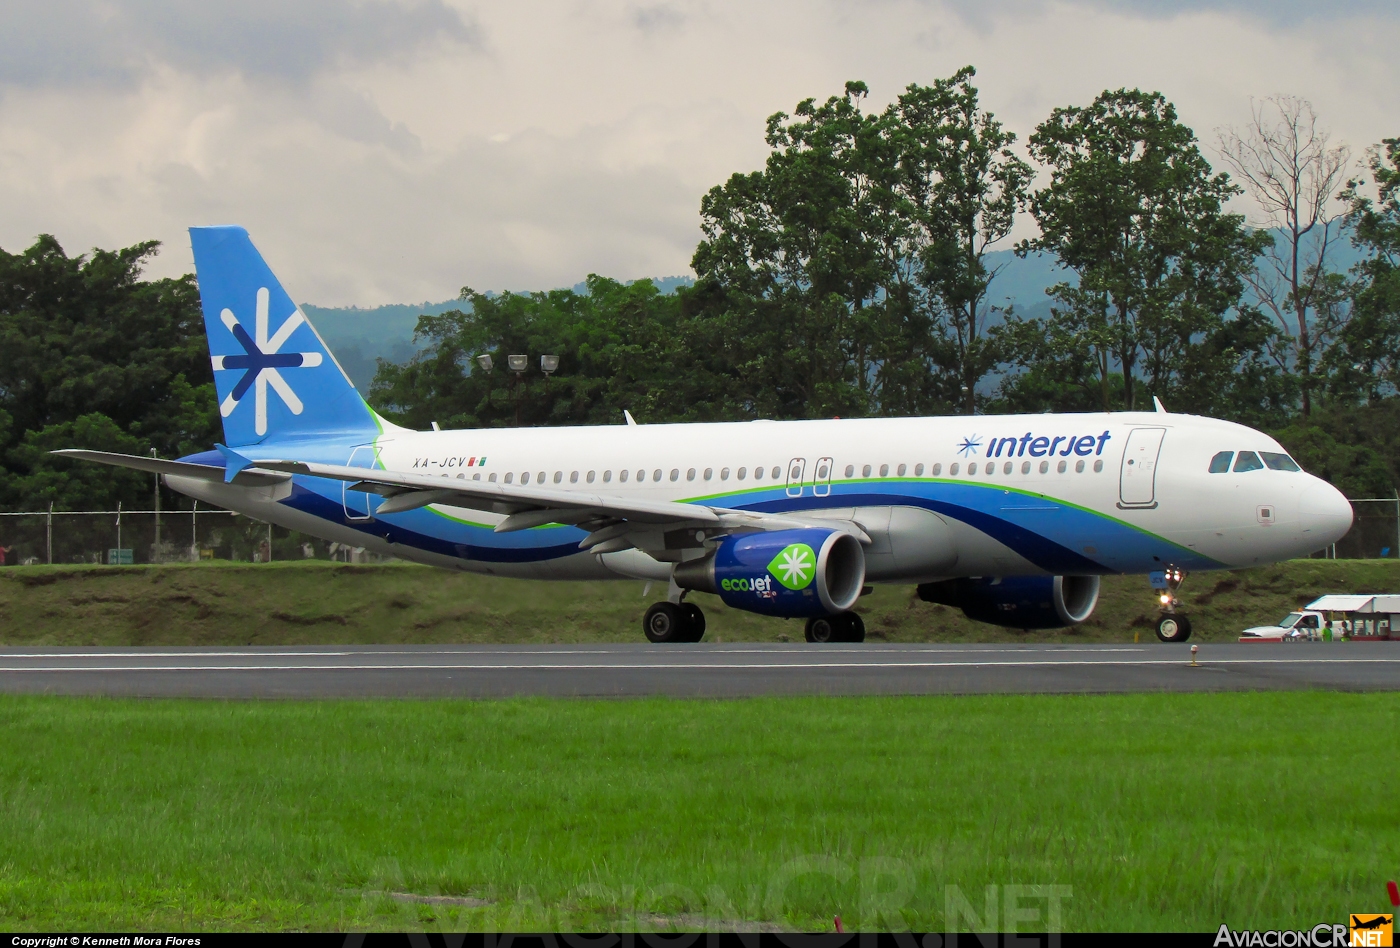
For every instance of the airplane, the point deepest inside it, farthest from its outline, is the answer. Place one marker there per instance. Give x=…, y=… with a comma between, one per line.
x=1011, y=518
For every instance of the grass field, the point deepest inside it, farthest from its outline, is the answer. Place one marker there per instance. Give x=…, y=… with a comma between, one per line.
x=318, y=602
x=1151, y=812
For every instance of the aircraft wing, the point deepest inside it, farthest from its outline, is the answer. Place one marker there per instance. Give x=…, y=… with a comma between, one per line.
x=614, y=522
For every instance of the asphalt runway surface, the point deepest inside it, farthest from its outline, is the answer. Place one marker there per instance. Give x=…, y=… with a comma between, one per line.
x=480, y=671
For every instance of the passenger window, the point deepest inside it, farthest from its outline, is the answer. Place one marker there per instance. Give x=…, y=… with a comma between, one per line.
x=743, y=472
x=690, y=474
x=476, y=476
x=918, y=470
x=510, y=476
x=709, y=472
x=675, y=474
x=972, y=468
x=1279, y=462
x=1061, y=467
x=590, y=476
x=622, y=476
x=558, y=476
x=525, y=478
x=573, y=478
x=850, y=470
x=1098, y=465
x=492, y=478
x=607, y=476
x=1079, y=466
x=865, y=471
x=1044, y=467
x=724, y=473
x=539, y=478
x=1025, y=467
x=656, y=474
x=758, y=473
x=936, y=470
x=952, y=470
x=1220, y=464
x=1006, y=468
x=884, y=470
x=776, y=471
x=1248, y=461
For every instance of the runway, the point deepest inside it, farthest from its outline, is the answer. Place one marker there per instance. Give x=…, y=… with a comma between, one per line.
x=736, y=670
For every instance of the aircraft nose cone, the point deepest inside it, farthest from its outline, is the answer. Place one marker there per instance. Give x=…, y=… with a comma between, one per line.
x=1324, y=514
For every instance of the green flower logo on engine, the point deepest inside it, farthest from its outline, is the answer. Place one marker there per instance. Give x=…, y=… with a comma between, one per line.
x=794, y=566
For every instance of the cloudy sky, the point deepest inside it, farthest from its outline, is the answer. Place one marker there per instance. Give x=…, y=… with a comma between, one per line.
x=392, y=150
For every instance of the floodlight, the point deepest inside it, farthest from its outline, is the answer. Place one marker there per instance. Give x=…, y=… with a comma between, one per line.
x=518, y=363
x=549, y=364
x=485, y=361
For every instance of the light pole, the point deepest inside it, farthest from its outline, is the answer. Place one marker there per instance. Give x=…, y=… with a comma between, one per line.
x=518, y=364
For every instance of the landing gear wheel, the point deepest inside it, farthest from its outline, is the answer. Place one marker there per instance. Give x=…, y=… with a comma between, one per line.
x=825, y=629
x=666, y=622
x=855, y=627
x=695, y=619
x=1173, y=628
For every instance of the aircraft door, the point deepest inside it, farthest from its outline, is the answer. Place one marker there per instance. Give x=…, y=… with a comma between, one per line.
x=821, y=477
x=1137, y=481
x=795, y=469
x=357, y=503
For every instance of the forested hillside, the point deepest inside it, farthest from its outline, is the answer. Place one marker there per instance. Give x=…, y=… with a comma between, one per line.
x=866, y=269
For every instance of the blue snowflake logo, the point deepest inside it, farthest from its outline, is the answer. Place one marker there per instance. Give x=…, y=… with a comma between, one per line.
x=970, y=445
x=261, y=362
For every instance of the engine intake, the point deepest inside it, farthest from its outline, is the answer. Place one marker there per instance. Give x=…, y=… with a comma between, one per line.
x=1019, y=602
x=789, y=573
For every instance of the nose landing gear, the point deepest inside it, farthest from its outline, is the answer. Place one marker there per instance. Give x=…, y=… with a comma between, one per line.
x=1172, y=626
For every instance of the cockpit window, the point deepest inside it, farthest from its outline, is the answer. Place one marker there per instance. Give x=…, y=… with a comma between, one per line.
x=1221, y=462
x=1279, y=462
x=1248, y=461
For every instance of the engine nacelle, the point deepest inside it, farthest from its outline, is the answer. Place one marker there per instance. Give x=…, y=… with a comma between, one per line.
x=1020, y=602
x=789, y=573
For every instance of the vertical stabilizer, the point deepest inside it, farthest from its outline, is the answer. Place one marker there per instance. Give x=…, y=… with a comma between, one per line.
x=275, y=377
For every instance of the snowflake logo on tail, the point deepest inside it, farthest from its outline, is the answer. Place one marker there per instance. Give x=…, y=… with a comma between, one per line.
x=795, y=566
x=261, y=362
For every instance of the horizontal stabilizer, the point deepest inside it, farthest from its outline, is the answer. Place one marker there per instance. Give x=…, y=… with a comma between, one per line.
x=204, y=472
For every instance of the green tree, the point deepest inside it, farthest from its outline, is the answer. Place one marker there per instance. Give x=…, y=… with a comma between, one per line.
x=621, y=346
x=794, y=259
x=1365, y=363
x=93, y=356
x=1135, y=210
x=959, y=188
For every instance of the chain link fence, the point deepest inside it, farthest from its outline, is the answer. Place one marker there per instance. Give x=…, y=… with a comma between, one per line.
x=1374, y=533
x=184, y=536
x=148, y=536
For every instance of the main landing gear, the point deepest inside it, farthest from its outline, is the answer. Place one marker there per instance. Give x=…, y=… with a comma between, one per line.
x=674, y=622
x=1172, y=626
x=847, y=627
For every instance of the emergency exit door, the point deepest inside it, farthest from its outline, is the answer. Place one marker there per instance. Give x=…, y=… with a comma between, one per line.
x=1137, y=482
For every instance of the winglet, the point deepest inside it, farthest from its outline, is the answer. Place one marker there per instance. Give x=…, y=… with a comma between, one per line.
x=1161, y=409
x=233, y=462
x=628, y=415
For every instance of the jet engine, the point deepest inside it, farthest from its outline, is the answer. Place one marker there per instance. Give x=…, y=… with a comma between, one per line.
x=788, y=573
x=1020, y=602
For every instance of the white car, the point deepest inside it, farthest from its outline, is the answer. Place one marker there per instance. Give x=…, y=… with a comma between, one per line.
x=1296, y=626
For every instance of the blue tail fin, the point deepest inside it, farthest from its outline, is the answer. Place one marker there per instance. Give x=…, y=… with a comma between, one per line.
x=275, y=377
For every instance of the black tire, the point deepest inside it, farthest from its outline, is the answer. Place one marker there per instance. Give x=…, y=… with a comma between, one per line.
x=1173, y=628
x=666, y=622
x=822, y=629
x=696, y=620
x=855, y=627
